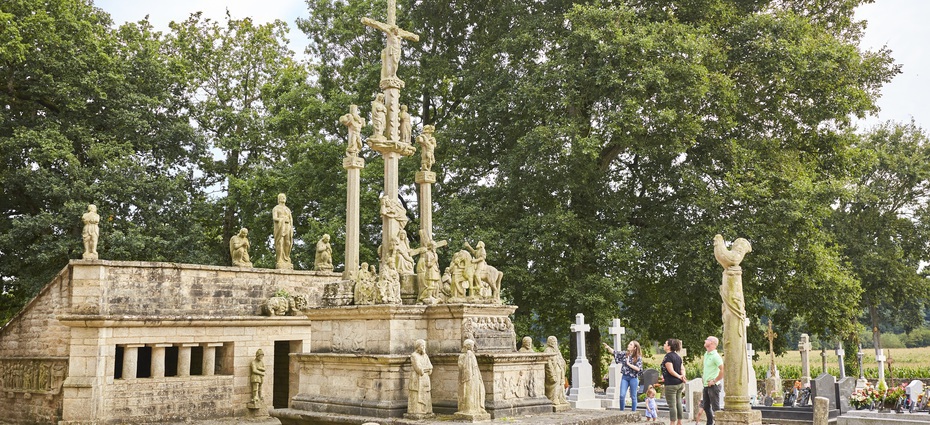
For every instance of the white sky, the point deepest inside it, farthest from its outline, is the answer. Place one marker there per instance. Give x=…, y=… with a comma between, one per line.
x=899, y=24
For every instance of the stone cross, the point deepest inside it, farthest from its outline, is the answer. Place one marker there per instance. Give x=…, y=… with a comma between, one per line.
x=613, y=373
x=749, y=351
x=391, y=148
x=839, y=357
x=859, y=356
x=880, y=358
x=581, y=395
x=804, y=346
x=771, y=335
x=823, y=357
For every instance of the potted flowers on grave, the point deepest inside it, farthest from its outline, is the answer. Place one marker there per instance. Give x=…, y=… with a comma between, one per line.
x=861, y=399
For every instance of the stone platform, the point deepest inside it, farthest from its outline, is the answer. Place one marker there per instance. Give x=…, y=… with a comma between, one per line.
x=572, y=417
x=865, y=417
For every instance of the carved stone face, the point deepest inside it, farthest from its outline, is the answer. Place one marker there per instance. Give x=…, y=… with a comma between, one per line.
x=282, y=198
x=527, y=342
x=92, y=208
x=243, y=232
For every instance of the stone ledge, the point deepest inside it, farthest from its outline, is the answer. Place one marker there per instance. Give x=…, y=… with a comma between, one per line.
x=573, y=417
x=185, y=266
x=97, y=321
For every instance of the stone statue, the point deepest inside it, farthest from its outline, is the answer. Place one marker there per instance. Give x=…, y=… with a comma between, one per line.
x=324, y=255
x=239, y=248
x=354, y=122
x=555, y=373
x=526, y=346
x=403, y=260
x=419, y=398
x=405, y=125
x=91, y=232
x=462, y=271
x=378, y=114
x=393, y=209
x=733, y=310
x=427, y=146
x=389, y=284
x=484, y=274
x=471, y=384
x=256, y=377
x=283, y=233
x=428, y=273
x=365, y=289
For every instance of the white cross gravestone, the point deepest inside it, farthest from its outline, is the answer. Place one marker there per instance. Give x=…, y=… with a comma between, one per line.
x=839, y=357
x=581, y=394
x=804, y=347
x=613, y=375
x=880, y=358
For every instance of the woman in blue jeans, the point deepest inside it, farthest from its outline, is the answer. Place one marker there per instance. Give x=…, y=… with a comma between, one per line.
x=631, y=362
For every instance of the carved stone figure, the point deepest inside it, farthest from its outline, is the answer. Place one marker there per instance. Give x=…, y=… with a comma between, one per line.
x=283, y=233
x=354, y=122
x=733, y=310
x=484, y=274
x=239, y=248
x=405, y=125
x=393, y=209
x=389, y=284
x=365, y=290
x=276, y=306
x=555, y=373
x=378, y=114
x=403, y=260
x=471, y=384
x=428, y=273
x=461, y=274
x=91, y=232
x=427, y=147
x=256, y=378
x=324, y=255
x=419, y=398
x=526, y=346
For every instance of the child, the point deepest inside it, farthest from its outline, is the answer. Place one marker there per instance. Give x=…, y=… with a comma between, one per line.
x=651, y=413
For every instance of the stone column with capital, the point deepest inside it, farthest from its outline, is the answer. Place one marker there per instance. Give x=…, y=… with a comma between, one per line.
x=737, y=409
x=353, y=166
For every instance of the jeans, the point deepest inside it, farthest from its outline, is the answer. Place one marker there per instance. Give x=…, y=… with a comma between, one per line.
x=632, y=383
x=711, y=396
x=673, y=398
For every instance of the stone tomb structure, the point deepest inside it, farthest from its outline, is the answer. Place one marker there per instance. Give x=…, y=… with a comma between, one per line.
x=124, y=342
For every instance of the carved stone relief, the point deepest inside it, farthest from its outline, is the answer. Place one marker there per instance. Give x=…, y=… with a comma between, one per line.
x=32, y=375
x=490, y=333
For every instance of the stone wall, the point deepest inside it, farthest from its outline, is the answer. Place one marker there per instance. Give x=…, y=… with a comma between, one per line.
x=110, y=288
x=170, y=399
x=35, y=330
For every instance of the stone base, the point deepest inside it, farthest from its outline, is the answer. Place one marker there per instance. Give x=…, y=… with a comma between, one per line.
x=284, y=266
x=472, y=417
x=88, y=256
x=751, y=417
x=419, y=416
x=255, y=406
x=561, y=407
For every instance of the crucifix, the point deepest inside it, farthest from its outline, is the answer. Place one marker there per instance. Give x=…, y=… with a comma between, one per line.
x=771, y=335
x=390, y=147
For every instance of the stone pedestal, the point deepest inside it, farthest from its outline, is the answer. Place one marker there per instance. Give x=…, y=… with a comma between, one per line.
x=359, y=361
x=425, y=180
x=747, y=417
x=353, y=166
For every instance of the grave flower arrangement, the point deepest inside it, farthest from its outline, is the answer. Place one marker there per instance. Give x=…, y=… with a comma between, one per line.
x=861, y=399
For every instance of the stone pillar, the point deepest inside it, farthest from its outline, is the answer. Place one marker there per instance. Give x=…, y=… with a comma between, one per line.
x=425, y=180
x=353, y=167
x=131, y=360
x=804, y=347
x=823, y=358
x=613, y=373
x=209, y=357
x=184, y=359
x=581, y=395
x=158, y=360
x=839, y=358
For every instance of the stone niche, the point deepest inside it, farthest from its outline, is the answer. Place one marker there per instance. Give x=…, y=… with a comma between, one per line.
x=359, y=361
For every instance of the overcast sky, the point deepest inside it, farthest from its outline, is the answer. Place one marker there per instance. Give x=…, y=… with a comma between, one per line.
x=899, y=24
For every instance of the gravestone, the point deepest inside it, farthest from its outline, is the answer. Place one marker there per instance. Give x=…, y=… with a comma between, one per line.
x=694, y=390
x=861, y=382
x=914, y=389
x=753, y=388
x=613, y=375
x=581, y=394
x=824, y=386
x=839, y=358
x=880, y=358
x=650, y=377
x=823, y=358
x=844, y=388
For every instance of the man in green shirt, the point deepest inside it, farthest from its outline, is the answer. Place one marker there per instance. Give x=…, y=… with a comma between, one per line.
x=713, y=374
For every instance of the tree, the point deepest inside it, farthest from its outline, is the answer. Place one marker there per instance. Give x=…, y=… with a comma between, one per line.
x=882, y=225
x=89, y=116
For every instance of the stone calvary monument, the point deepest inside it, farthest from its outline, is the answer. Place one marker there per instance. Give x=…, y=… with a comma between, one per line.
x=737, y=410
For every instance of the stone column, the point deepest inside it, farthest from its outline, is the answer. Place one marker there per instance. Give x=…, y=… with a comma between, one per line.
x=823, y=358
x=581, y=395
x=613, y=374
x=804, y=347
x=131, y=360
x=353, y=167
x=839, y=358
x=184, y=359
x=158, y=360
x=209, y=357
x=425, y=180
x=821, y=410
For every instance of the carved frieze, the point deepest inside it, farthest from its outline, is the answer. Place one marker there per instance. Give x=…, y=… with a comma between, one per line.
x=490, y=333
x=32, y=375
